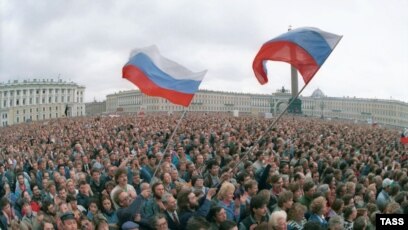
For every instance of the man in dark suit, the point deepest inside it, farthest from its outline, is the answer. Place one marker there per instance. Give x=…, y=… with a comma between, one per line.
x=172, y=217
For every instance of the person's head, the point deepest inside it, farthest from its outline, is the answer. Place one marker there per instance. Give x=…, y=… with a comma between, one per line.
x=20, y=178
x=158, y=190
x=350, y=212
x=63, y=207
x=62, y=194
x=197, y=181
x=296, y=189
x=198, y=223
x=386, y=184
x=251, y=187
x=121, y=177
x=86, y=223
x=285, y=200
x=107, y=205
x=258, y=206
x=392, y=208
x=72, y=201
x=93, y=206
x=159, y=222
x=309, y=188
x=277, y=181
x=187, y=200
x=228, y=225
x=123, y=198
x=338, y=206
x=213, y=167
x=27, y=208
x=297, y=212
x=68, y=221
x=360, y=223
x=217, y=214
x=318, y=205
x=336, y=223
x=83, y=187
x=46, y=224
x=166, y=178
x=299, y=178
x=36, y=190
x=226, y=192
x=169, y=202
x=278, y=220
x=48, y=207
x=96, y=174
x=136, y=177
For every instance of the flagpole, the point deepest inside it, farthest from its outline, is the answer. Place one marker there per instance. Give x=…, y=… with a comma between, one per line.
x=269, y=127
x=171, y=138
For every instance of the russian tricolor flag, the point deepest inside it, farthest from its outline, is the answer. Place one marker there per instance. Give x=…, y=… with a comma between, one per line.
x=156, y=75
x=305, y=48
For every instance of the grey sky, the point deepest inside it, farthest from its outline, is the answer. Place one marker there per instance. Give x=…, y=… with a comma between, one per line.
x=89, y=41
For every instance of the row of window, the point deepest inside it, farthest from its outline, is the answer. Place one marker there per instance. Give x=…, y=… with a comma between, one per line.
x=34, y=101
x=37, y=91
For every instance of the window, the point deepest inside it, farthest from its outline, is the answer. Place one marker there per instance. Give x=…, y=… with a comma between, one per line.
x=49, y=100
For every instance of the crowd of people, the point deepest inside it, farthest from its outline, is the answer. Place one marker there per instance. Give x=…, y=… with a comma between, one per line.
x=217, y=173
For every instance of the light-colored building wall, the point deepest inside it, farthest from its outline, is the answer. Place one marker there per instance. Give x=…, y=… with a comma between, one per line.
x=95, y=108
x=204, y=101
x=39, y=99
x=387, y=112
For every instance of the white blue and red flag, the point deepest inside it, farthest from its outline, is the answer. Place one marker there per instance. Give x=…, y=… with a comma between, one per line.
x=158, y=76
x=304, y=48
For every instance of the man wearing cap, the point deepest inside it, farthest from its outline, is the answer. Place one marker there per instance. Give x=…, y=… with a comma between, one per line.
x=383, y=197
x=68, y=221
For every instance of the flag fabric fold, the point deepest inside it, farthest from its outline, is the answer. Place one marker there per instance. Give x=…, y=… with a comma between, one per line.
x=304, y=48
x=158, y=76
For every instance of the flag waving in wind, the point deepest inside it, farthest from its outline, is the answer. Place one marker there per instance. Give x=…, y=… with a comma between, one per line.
x=304, y=48
x=156, y=75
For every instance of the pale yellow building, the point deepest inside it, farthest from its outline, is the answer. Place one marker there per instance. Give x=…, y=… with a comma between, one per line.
x=39, y=99
x=391, y=113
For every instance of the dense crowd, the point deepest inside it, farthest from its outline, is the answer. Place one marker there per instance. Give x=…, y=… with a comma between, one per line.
x=113, y=173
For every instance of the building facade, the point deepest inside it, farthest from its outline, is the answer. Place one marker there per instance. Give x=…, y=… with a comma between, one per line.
x=95, y=108
x=391, y=113
x=204, y=101
x=39, y=99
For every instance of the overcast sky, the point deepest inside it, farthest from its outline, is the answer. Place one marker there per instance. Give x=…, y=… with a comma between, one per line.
x=89, y=41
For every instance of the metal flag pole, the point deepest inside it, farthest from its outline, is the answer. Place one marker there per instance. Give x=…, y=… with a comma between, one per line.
x=269, y=127
x=171, y=138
